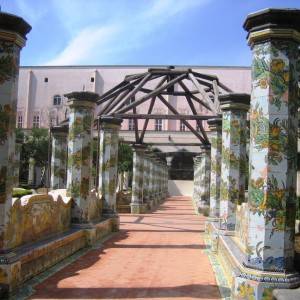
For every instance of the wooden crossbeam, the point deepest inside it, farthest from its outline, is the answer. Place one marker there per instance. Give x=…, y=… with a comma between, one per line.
x=150, y=110
x=202, y=92
x=187, y=124
x=132, y=93
x=152, y=94
x=163, y=117
x=164, y=144
x=192, y=96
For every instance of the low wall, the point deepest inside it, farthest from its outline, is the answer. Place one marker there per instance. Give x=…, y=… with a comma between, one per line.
x=35, y=217
x=181, y=187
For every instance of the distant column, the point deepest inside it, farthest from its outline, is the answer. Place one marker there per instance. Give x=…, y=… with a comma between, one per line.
x=137, y=202
x=234, y=162
x=197, y=180
x=204, y=177
x=108, y=162
x=215, y=126
x=31, y=171
x=146, y=192
x=17, y=157
x=79, y=174
x=59, y=157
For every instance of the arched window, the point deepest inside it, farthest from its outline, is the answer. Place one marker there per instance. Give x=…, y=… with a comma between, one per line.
x=57, y=100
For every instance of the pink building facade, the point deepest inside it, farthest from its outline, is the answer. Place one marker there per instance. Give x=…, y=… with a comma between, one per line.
x=41, y=101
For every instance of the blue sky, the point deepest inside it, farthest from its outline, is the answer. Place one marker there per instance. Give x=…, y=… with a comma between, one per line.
x=139, y=32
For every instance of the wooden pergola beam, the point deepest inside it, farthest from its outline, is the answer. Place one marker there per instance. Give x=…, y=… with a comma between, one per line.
x=164, y=144
x=152, y=94
x=163, y=117
x=187, y=124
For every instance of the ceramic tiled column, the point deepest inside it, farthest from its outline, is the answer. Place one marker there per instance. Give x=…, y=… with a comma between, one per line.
x=215, y=126
x=79, y=172
x=13, y=32
x=204, y=185
x=234, y=162
x=146, y=193
x=108, y=162
x=196, y=191
x=17, y=157
x=151, y=180
x=137, y=202
x=59, y=157
x=156, y=182
x=31, y=171
x=274, y=37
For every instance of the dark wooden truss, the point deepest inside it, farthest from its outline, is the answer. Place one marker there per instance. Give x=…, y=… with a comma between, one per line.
x=123, y=99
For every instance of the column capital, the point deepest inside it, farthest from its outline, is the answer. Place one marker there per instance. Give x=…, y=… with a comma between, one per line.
x=110, y=120
x=13, y=28
x=60, y=130
x=215, y=124
x=82, y=99
x=235, y=101
x=139, y=147
x=205, y=148
x=273, y=23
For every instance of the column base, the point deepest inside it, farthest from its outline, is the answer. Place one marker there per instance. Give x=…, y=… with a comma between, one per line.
x=245, y=283
x=203, y=208
x=138, y=208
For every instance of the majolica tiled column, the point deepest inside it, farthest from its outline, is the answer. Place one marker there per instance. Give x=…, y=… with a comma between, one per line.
x=137, y=202
x=31, y=171
x=13, y=32
x=155, y=178
x=151, y=180
x=108, y=163
x=197, y=179
x=146, y=191
x=59, y=157
x=204, y=169
x=18, y=148
x=274, y=36
x=79, y=172
x=215, y=126
x=233, y=170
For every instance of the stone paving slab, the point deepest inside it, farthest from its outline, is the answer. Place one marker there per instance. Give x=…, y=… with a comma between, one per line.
x=155, y=256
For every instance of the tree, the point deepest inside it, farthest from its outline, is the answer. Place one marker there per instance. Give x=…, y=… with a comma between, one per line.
x=35, y=145
x=125, y=159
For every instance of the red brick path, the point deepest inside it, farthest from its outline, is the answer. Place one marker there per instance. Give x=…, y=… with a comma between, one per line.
x=155, y=256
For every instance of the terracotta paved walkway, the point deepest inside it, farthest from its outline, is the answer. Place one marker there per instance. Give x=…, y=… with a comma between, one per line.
x=155, y=256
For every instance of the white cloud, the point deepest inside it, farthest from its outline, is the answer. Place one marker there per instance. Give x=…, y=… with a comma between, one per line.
x=129, y=30
x=85, y=44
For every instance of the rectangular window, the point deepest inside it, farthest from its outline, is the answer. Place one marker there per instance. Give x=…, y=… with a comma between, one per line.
x=130, y=124
x=20, y=121
x=36, y=121
x=158, y=124
x=182, y=126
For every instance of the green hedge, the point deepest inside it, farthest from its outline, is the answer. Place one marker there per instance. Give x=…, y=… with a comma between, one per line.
x=19, y=192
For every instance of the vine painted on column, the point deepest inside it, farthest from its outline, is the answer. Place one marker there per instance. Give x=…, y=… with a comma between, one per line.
x=271, y=135
x=272, y=69
x=9, y=61
x=235, y=127
x=245, y=292
x=269, y=200
x=81, y=157
x=7, y=115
